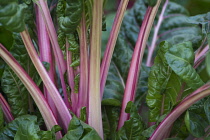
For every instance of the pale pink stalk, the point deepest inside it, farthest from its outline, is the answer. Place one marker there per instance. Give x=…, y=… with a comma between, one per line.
x=136, y=61
x=155, y=36
x=71, y=76
x=45, y=54
x=59, y=58
x=94, y=108
x=33, y=89
x=6, y=109
x=60, y=105
x=171, y=118
x=111, y=43
x=83, y=83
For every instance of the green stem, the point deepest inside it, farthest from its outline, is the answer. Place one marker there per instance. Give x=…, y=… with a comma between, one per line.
x=95, y=118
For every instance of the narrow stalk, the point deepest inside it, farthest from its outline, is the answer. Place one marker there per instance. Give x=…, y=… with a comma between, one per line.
x=45, y=55
x=61, y=64
x=83, y=83
x=6, y=109
x=200, y=54
x=170, y=119
x=71, y=76
x=111, y=43
x=95, y=118
x=60, y=105
x=134, y=70
x=155, y=35
x=33, y=89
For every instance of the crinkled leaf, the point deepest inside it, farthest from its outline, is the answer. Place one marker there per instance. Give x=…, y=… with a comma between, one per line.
x=12, y=15
x=49, y=135
x=9, y=131
x=132, y=128
x=27, y=129
x=79, y=130
x=195, y=124
x=207, y=109
x=148, y=132
x=72, y=16
x=180, y=57
x=199, y=19
x=110, y=121
x=159, y=80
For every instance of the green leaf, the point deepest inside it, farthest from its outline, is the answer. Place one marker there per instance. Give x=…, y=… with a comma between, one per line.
x=49, y=135
x=132, y=128
x=1, y=118
x=83, y=114
x=180, y=57
x=72, y=16
x=46, y=65
x=10, y=131
x=207, y=108
x=195, y=124
x=12, y=15
x=149, y=131
x=27, y=129
x=110, y=121
x=78, y=130
x=160, y=85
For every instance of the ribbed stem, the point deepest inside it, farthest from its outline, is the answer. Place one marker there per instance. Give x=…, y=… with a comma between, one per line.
x=45, y=54
x=95, y=118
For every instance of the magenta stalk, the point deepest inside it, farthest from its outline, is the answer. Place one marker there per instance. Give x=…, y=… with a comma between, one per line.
x=6, y=109
x=59, y=58
x=136, y=61
x=55, y=95
x=45, y=55
x=71, y=76
x=111, y=43
x=83, y=83
x=155, y=35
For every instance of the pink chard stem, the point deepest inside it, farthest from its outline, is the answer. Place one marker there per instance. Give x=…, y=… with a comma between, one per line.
x=55, y=95
x=94, y=107
x=6, y=109
x=134, y=70
x=33, y=89
x=83, y=83
x=111, y=43
x=155, y=35
x=71, y=76
x=59, y=58
x=45, y=54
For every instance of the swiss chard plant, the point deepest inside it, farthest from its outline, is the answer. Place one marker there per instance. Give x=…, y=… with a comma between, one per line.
x=70, y=70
